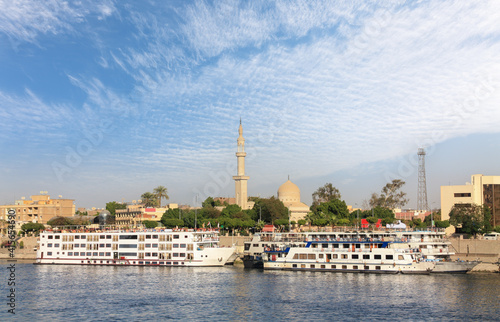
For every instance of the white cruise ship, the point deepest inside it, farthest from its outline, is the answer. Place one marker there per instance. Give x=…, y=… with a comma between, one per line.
x=133, y=247
x=324, y=252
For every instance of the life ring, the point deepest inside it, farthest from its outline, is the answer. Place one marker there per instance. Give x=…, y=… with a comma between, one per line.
x=371, y=239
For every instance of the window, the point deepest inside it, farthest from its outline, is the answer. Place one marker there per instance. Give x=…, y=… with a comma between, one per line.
x=176, y=245
x=389, y=257
x=346, y=245
x=355, y=267
x=89, y=254
x=84, y=236
x=378, y=256
x=57, y=237
x=377, y=267
x=294, y=265
x=367, y=267
x=155, y=245
x=176, y=236
x=366, y=256
x=49, y=245
x=344, y=256
x=108, y=236
x=94, y=254
x=323, y=266
x=355, y=256
x=335, y=256
x=148, y=236
x=49, y=253
x=320, y=256
x=400, y=257
x=462, y=195
x=183, y=245
x=324, y=245
x=344, y=266
x=101, y=253
x=77, y=237
x=128, y=236
x=311, y=256
x=155, y=236
x=334, y=266
x=70, y=253
x=313, y=266
x=127, y=254
x=56, y=245
x=108, y=254
x=127, y=246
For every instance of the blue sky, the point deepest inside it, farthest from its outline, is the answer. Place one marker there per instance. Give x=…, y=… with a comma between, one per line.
x=105, y=100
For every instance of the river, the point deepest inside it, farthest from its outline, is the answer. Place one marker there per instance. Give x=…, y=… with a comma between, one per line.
x=236, y=294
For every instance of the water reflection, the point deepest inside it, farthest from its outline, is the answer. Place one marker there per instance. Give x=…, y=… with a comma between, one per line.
x=235, y=294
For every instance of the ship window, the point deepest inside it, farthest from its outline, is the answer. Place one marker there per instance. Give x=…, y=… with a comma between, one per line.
x=128, y=236
x=176, y=236
x=101, y=254
x=84, y=236
x=102, y=237
x=378, y=256
x=155, y=245
x=314, y=245
x=57, y=237
x=77, y=245
x=49, y=253
x=148, y=236
x=323, y=266
x=148, y=245
x=400, y=257
x=75, y=254
x=377, y=267
x=108, y=245
x=82, y=245
x=176, y=255
x=294, y=265
x=335, y=256
x=320, y=255
x=324, y=245
x=366, y=256
x=313, y=266
x=335, y=245
x=355, y=267
x=344, y=256
x=355, y=256
x=155, y=236
x=182, y=255
x=176, y=245
x=94, y=254
x=254, y=245
x=77, y=236
x=344, y=266
x=358, y=245
x=302, y=265
x=148, y=254
x=101, y=245
x=389, y=257
x=367, y=267
x=127, y=246
x=311, y=256
x=70, y=253
x=108, y=254
x=334, y=266
x=89, y=254
x=346, y=245
x=154, y=254
x=56, y=245
x=296, y=256
x=183, y=246
x=49, y=245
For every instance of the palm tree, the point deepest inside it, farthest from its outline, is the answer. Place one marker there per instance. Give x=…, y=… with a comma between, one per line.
x=149, y=199
x=161, y=192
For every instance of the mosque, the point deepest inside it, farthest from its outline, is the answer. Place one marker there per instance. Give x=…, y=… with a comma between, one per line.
x=288, y=192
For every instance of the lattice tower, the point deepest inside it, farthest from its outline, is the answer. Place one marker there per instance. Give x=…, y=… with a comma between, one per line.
x=422, y=185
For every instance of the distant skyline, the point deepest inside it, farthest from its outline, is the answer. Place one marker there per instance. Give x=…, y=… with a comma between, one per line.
x=104, y=100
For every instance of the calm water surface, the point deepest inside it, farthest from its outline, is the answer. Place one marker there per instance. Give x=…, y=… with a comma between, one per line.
x=236, y=294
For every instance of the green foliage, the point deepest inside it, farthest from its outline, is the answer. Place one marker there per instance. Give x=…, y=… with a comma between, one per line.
x=281, y=222
x=210, y=212
x=230, y=211
x=259, y=225
x=272, y=209
x=172, y=222
x=417, y=223
x=442, y=223
x=160, y=193
x=325, y=194
x=59, y=221
x=113, y=205
x=149, y=199
x=150, y=223
x=328, y=213
x=371, y=220
x=81, y=213
x=302, y=222
x=390, y=197
x=497, y=229
x=31, y=226
x=471, y=219
x=343, y=222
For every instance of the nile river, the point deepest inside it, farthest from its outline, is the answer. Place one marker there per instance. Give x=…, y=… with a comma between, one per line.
x=98, y=293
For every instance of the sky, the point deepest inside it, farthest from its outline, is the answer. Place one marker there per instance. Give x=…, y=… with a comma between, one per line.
x=105, y=100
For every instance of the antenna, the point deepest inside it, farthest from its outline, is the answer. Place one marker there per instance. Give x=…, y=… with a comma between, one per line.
x=422, y=185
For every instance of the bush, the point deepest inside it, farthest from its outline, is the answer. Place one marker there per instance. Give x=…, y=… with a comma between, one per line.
x=302, y=222
x=150, y=223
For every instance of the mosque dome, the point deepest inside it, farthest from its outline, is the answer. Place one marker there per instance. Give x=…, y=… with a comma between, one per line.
x=289, y=192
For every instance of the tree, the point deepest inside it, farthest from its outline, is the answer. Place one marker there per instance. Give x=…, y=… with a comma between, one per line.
x=328, y=213
x=326, y=193
x=471, y=219
x=150, y=223
x=113, y=205
x=59, y=221
x=272, y=209
x=149, y=199
x=230, y=211
x=28, y=227
x=160, y=192
x=172, y=222
x=390, y=197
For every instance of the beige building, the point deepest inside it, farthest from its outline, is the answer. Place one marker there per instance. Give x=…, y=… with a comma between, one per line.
x=133, y=215
x=482, y=190
x=38, y=209
x=241, y=179
x=289, y=195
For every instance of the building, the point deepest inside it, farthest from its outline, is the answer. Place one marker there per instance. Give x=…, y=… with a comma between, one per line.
x=482, y=190
x=241, y=192
x=133, y=215
x=39, y=209
x=289, y=195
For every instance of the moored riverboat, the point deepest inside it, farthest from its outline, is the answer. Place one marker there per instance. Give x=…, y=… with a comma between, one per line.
x=319, y=252
x=164, y=247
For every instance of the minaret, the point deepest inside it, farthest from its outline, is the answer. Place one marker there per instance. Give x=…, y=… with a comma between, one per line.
x=240, y=179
